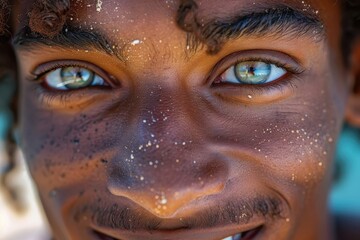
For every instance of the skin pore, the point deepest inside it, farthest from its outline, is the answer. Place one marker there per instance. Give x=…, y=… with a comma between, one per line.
x=165, y=143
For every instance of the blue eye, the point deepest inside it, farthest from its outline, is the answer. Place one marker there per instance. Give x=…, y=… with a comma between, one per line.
x=252, y=72
x=67, y=78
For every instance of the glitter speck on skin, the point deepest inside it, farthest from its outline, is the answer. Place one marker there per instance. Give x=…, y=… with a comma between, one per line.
x=249, y=96
x=99, y=5
x=293, y=177
x=135, y=42
x=163, y=200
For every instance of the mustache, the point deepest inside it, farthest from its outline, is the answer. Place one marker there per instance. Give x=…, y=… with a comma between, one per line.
x=123, y=217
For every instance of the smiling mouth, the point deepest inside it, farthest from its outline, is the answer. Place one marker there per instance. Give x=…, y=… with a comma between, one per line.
x=246, y=235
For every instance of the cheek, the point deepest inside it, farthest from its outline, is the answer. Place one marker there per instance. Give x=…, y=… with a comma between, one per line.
x=59, y=148
x=299, y=151
x=293, y=140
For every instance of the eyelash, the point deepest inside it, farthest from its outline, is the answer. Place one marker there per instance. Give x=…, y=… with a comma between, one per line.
x=293, y=73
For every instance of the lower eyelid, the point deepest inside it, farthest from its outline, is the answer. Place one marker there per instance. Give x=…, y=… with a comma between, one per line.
x=254, y=94
x=60, y=99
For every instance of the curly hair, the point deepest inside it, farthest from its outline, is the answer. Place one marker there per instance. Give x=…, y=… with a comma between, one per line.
x=48, y=17
x=350, y=24
x=4, y=10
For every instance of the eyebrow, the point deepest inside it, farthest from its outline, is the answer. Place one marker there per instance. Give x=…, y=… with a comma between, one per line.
x=69, y=38
x=279, y=22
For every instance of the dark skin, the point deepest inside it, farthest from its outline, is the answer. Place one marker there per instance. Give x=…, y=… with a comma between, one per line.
x=166, y=147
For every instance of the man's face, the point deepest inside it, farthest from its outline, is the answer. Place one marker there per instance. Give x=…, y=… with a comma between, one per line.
x=143, y=135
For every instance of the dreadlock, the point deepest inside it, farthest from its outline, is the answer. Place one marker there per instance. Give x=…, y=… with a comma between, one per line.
x=48, y=17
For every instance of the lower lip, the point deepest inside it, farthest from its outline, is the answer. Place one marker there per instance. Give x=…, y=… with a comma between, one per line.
x=249, y=235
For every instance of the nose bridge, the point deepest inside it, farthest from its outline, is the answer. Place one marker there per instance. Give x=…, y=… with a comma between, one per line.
x=166, y=164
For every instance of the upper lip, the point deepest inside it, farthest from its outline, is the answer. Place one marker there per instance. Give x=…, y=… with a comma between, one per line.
x=179, y=228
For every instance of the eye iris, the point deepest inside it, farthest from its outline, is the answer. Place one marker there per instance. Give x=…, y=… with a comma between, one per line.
x=252, y=72
x=76, y=77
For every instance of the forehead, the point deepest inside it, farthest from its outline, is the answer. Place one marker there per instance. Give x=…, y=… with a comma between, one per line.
x=132, y=15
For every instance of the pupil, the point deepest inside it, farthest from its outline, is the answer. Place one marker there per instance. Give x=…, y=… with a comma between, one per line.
x=75, y=77
x=252, y=72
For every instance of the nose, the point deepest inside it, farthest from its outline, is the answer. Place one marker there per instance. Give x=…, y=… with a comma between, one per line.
x=166, y=165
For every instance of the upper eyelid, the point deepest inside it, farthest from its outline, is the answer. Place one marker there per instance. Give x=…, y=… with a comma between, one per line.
x=47, y=67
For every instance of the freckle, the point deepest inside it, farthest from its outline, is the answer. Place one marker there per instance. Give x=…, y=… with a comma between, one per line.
x=104, y=160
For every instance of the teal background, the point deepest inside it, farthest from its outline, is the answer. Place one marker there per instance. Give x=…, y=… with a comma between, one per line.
x=345, y=195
